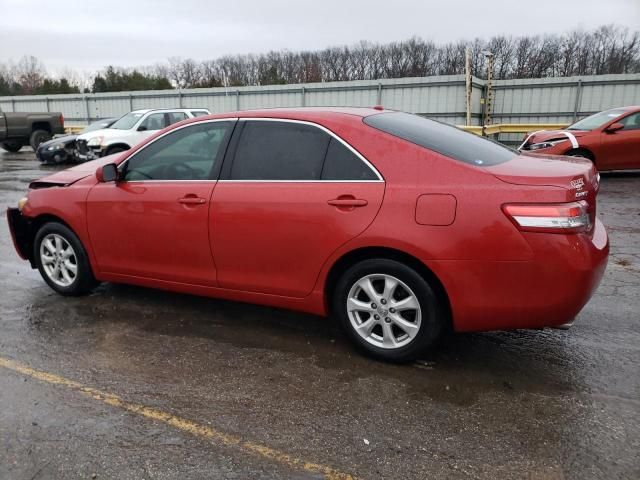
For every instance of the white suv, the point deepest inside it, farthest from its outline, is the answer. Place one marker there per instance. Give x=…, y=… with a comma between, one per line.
x=130, y=130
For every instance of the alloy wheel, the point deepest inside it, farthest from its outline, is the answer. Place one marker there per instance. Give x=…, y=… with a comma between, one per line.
x=384, y=311
x=58, y=259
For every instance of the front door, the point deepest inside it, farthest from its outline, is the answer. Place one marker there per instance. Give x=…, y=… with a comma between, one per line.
x=621, y=149
x=293, y=195
x=153, y=222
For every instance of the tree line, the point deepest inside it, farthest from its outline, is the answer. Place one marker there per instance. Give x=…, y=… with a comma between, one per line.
x=607, y=49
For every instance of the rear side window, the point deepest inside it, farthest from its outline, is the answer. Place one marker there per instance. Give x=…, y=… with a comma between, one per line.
x=439, y=137
x=199, y=113
x=342, y=164
x=271, y=150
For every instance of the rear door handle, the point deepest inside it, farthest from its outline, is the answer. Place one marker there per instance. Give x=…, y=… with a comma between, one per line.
x=192, y=200
x=347, y=201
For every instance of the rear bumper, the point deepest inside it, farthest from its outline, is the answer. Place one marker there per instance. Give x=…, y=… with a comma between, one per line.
x=20, y=228
x=548, y=291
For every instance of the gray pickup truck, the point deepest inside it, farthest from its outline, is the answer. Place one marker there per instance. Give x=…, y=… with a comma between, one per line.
x=19, y=129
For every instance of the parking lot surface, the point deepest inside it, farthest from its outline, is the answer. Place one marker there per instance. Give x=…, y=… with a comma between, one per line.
x=132, y=383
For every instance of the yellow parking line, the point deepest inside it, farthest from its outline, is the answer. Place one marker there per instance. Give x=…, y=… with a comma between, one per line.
x=202, y=431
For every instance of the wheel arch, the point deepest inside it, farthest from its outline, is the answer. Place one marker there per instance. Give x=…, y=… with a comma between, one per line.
x=365, y=253
x=35, y=225
x=590, y=155
x=117, y=145
x=40, y=126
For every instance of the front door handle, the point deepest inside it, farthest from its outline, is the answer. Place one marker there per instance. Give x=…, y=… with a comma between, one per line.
x=347, y=201
x=192, y=200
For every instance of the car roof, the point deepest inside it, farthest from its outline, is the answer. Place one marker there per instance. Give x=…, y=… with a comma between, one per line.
x=147, y=110
x=300, y=113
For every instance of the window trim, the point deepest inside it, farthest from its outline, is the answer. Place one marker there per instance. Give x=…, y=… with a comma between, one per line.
x=241, y=121
x=215, y=120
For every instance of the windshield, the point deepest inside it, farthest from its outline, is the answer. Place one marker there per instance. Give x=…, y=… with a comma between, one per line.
x=128, y=121
x=439, y=137
x=597, y=120
x=97, y=126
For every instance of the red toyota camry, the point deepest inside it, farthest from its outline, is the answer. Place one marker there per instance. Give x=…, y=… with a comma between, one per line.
x=399, y=226
x=611, y=139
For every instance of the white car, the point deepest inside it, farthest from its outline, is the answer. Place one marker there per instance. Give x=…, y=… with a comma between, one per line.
x=130, y=130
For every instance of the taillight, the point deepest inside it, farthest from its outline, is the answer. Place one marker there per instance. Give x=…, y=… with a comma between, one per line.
x=550, y=217
x=62, y=120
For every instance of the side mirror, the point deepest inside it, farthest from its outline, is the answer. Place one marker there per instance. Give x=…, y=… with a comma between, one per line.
x=614, y=127
x=107, y=173
x=142, y=128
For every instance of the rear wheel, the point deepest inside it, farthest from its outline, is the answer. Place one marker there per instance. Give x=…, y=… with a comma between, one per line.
x=12, y=147
x=37, y=137
x=62, y=260
x=388, y=310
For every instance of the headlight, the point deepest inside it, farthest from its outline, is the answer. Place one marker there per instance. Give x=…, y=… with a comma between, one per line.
x=538, y=146
x=22, y=202
x=95, y=142
x=57, y=146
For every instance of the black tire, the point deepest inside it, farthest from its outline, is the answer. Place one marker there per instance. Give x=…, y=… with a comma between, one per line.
x=37, y=137
x=432, y=323
x=12, y=147
x=113, y=150
x=84, y=281
x=579, y=152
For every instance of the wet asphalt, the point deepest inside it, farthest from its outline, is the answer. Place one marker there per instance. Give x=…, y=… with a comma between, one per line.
x=547, y=404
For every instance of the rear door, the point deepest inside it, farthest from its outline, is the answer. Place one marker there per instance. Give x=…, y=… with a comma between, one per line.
x=153, y=222
x=291, y=194
x=621, y=149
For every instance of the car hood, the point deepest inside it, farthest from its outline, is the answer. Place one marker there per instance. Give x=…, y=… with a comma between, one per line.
x=104, y=132
x=551, y=135
x=71, y=175
x=62, y=139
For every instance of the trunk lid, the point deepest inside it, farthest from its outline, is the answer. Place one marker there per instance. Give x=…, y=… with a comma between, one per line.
x=578, y=176
x=572, y=173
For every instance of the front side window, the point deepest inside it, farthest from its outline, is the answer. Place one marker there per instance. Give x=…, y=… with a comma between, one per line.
x=444, y=139
x=189, y=153
x=175, y=117
x=597, y=120
x=272, y=150
x=155, y=121
x=631, y=122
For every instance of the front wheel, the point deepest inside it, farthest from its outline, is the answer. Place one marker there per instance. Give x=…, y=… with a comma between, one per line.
x=388, y=310
x=62, y=260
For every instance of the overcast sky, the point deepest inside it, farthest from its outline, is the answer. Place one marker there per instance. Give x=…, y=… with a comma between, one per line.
x=90, y=34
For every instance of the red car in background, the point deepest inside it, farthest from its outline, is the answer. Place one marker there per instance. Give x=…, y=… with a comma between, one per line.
x=399, y=226
x=611, y=139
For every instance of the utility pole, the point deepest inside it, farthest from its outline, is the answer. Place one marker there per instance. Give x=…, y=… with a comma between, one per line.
x=467, y=71
x=488, y=96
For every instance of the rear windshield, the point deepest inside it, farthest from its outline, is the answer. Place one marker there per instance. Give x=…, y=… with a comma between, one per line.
x=439, y=137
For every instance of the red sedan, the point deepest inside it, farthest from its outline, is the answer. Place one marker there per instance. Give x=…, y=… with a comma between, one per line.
x=611, y=139
x=399, y=226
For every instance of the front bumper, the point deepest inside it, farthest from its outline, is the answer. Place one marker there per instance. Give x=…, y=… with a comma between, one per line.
x=21, y=234
x=55, y=156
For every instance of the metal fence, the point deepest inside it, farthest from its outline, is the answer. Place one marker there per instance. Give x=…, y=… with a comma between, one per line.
x=539, y=100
